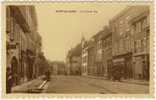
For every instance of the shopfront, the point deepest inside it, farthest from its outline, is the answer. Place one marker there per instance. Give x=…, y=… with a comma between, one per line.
x=123, y=63
x=141, y=66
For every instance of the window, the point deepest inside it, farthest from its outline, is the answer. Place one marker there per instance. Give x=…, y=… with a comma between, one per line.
x=147, y=43
x=99, y=44
x=139, y=27
x=144, y=23
x=121, y=47
x=142, y=45
x=104, y=43
x=139, y=45
x=116, y=48
x=135, y=46
x=12, y=21
x=135, y=28
x=128, y=44
x=8, y=24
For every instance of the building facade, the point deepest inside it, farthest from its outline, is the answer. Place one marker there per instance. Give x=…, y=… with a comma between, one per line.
x=84, y=69
x=21, y=30
x=68, y=62
x=123, y=40
x=75, y=68
x=107, y=52
x=99, y=68
x=58, y=68
x=140, y=28
x=122, y=47
x=73, y=60
x=91, y=58
x=38, y=42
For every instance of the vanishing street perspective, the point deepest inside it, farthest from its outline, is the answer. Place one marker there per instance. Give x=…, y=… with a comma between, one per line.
x=78, y=48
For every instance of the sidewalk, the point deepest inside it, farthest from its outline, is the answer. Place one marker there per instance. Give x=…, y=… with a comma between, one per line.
x=25, y=87
x=129, y=81
x=139, y=82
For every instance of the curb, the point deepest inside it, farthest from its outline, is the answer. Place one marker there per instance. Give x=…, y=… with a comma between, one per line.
x=38, y=89
x=42, y=85
x=101, y=78
x=147, y=84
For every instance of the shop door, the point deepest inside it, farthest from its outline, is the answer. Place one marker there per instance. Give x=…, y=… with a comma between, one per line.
x=129, y=68
x=139, y=68
x=109, y=67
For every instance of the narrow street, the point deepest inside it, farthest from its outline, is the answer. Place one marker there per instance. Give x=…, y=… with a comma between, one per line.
x=80, y=84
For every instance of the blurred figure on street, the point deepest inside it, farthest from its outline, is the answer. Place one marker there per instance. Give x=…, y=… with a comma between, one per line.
x=9, y=80
x=117, y=72
x=47, y=74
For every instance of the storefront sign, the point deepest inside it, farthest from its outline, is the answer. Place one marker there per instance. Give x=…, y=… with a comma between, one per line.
x=118, y=60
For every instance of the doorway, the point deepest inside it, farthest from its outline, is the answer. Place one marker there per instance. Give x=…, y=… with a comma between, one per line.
x=14, y=70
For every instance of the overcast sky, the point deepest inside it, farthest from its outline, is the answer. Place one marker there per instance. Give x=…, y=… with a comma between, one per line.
x=61, y=31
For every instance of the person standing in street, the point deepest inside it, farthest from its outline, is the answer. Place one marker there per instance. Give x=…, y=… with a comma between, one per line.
x=47, y=74
x=9, y=80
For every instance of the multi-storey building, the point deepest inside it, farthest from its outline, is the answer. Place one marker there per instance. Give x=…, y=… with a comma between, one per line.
x=107, y=51
x=74, y=60
x=75, y=68
x=140, y=29
x=98, y=53
x=21, y=30
x=123, y=40
x=91, y=58
x=57, y=68
x=84, y=69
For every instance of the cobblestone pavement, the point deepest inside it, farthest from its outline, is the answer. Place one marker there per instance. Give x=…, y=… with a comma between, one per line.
x=80, y=84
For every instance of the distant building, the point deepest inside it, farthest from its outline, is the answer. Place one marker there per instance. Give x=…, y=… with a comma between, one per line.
x=84, y=69
x=58, y=68
x=75, y=68
x=91, y=57
x=55, y=69
x=68, y=62
x=99, y=69
x=74, y=61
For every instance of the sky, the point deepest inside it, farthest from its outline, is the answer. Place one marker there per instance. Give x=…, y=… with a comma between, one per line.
x=61, y=31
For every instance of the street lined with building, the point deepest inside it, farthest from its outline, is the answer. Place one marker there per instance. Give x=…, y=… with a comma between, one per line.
x=114, y=60
x=80, y=84
x=121, y=49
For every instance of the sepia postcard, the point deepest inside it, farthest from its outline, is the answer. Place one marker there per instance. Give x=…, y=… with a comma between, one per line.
x=78, y=49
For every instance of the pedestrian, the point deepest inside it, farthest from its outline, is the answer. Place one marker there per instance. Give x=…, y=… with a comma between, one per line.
x=9, y=80
x=47, y=74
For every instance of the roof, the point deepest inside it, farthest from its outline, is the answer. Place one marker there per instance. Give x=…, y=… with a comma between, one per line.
x=103, y=33
x=76, y=51
x=106, y=32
